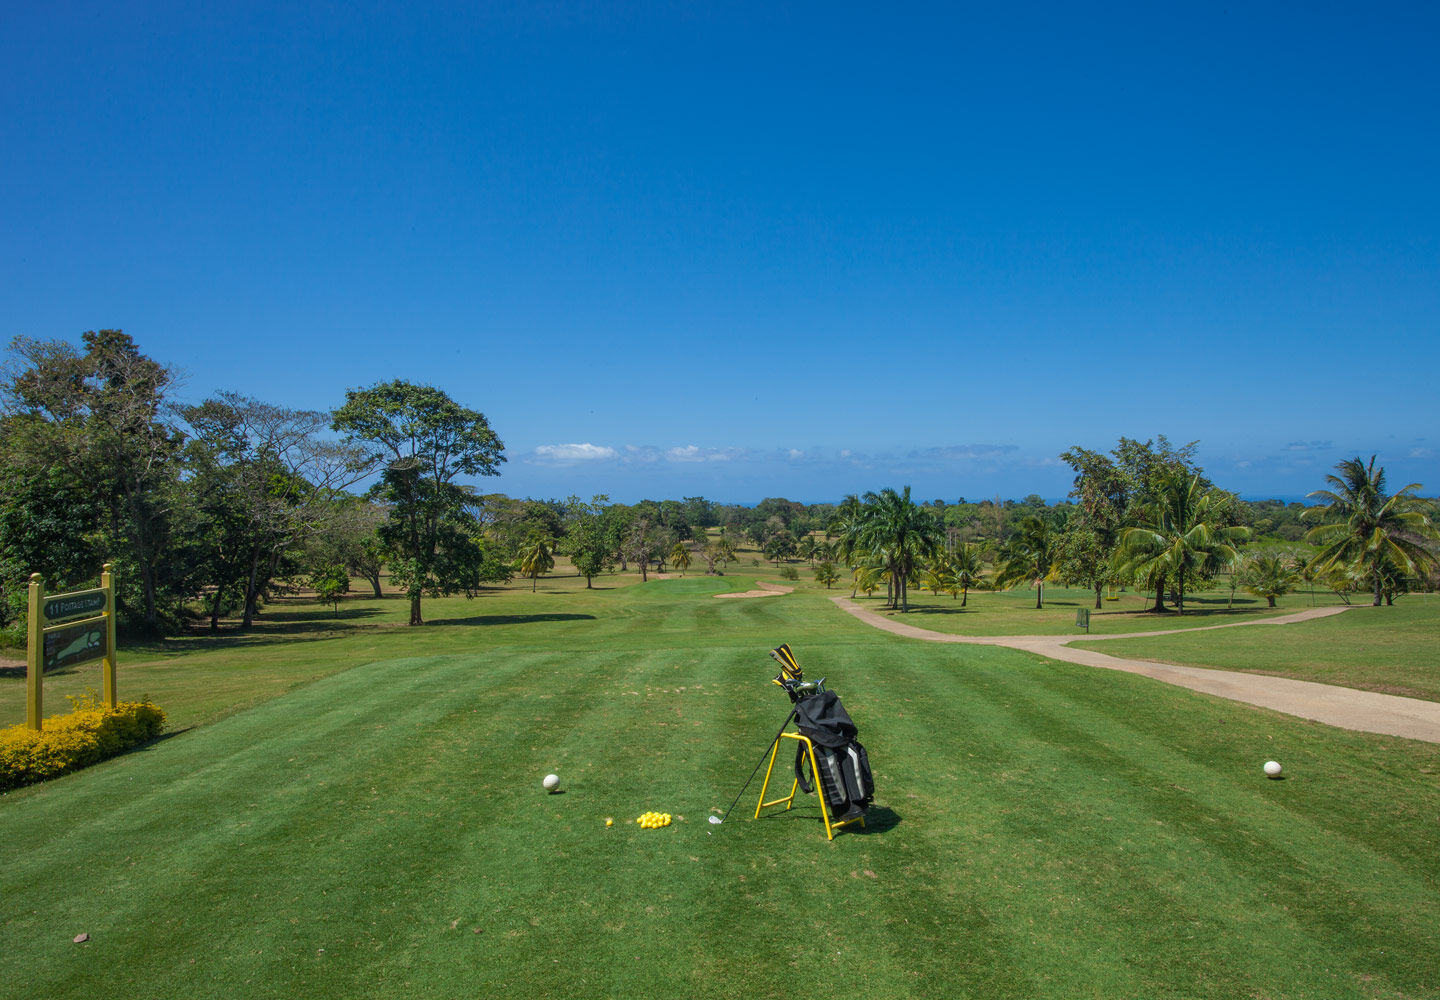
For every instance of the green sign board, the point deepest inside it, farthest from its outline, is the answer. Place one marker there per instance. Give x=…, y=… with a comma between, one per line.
x=1082, y=618
x=74, y=644
x=81, y=604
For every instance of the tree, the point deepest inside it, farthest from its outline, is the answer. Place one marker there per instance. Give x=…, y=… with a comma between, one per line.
x=104, y=416
x=868, y=579
x=1379, y=535
x=1030, y=555
x=641, y=544
x=426, y=441
x=967, y=568
x=329, y=583
x=535, y=557
x=1183, y=537
x=587, y=541
x=891, y=527
x=348, y=537
x=680, y=556
x=266, y=483
x=1266, y=574
x=1083, y=556
x=826, y=573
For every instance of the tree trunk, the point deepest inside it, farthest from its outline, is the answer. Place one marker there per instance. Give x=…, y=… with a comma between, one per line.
x=1039, y=594
x=1159, y=597
x=1376, y=602
x=415, y=618
x=1097, y=597
x=1271, y=600
x=965, y=599
x=247, y=617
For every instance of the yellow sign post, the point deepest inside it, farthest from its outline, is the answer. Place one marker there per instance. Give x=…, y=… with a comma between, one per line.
x=66, y=629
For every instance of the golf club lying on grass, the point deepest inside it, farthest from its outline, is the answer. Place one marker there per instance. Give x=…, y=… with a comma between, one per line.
x=790, y=680
x=717, y=820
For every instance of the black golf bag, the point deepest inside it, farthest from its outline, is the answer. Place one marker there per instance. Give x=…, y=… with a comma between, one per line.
x=844, y=767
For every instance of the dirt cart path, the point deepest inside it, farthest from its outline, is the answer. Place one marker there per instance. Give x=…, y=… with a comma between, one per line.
x=1346, y=708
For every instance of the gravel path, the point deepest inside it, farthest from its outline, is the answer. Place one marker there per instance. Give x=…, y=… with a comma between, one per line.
x=1346, y=708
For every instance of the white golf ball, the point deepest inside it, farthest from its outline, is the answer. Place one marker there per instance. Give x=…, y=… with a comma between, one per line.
x=1272, y=769
x=552, y=782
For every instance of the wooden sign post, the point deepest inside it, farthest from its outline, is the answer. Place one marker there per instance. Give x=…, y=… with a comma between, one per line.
x=65, y=629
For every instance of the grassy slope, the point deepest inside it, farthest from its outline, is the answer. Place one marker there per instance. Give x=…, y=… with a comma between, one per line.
x=1042, y=830
x=1393, y=650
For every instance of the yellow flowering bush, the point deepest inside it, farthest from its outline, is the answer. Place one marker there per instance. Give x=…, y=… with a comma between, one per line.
x=85, y=736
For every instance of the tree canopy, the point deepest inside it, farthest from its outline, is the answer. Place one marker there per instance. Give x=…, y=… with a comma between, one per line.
x=426, y=440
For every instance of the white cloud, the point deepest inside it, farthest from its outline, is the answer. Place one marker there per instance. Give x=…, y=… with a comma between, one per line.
x=574, y=452
x=1422, y=453
x=694, y=453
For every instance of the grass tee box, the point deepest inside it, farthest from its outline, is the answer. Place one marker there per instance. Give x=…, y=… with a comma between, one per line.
x=1042, y=830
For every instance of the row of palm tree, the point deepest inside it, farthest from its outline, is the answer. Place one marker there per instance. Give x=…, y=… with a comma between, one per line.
x=1182, y=537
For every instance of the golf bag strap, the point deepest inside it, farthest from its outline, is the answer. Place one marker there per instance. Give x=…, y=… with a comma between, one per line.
x=805, y=785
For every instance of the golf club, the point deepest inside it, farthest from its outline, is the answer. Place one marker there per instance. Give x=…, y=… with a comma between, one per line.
x=717, y=820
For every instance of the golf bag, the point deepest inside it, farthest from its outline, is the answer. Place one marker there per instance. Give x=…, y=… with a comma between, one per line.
x=844, y=767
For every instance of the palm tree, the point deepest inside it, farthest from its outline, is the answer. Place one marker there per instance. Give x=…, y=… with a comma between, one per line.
x=536, y=556
x=867, y=578
x=966, y=568
x=1375, y=533
x=826, y=573
x=1030, y=555
x=808, y=549
x=1267, y=575
x=894, y=528
x=1180, y=537
x=680, y=556
x=937, y=578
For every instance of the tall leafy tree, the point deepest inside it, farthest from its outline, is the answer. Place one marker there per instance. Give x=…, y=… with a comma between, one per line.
x=105, y=417
x=272, y=482
x=1376, y=533
x=426, y=441
x=587, y=542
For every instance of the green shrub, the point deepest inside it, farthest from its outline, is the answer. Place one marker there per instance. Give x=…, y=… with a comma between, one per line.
x=87, y=735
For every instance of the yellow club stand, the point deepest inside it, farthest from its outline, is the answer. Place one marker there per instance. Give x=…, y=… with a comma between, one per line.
x=789, y=800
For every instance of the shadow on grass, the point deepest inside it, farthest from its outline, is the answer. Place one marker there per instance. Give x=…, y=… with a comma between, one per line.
x=878, y=819
x=510, y=619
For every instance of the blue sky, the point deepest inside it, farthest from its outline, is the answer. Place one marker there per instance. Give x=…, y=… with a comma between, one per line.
x=740, y=251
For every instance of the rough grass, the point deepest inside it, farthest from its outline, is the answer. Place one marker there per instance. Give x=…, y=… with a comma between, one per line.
x=1041, y=829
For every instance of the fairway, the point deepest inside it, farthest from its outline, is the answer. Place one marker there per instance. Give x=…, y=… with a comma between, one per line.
x=1040, y=829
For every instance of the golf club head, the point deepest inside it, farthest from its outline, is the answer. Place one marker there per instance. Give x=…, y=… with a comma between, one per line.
x=716, y=820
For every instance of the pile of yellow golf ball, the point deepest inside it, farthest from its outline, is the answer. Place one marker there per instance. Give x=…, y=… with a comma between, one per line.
x=654, y=820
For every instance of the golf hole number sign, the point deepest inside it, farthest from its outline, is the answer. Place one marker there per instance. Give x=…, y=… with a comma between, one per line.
x=66, y=629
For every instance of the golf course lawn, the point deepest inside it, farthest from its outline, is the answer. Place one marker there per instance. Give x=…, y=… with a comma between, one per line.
x=1392, y=650
x=1013, y=612
x=353, y=808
